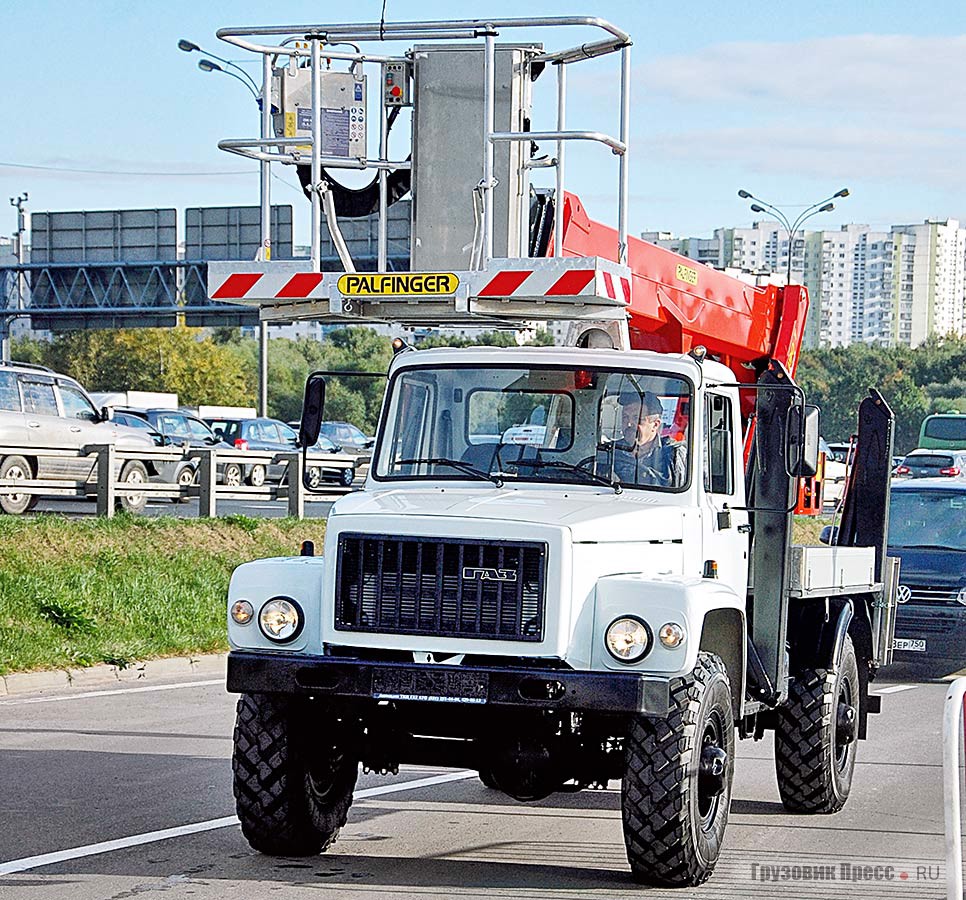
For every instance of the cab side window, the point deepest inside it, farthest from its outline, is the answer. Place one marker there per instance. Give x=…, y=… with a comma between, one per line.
x=38, y=398
x=719, y=446
x=9, y=393
x=76, y=405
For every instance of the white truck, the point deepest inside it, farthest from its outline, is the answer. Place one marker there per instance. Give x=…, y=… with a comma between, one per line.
x=615, y=597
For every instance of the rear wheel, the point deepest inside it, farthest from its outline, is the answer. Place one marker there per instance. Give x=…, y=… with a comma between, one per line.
x=293, y=782
x=133, y=473
x=256, y=477
x=815, y=739
x=233, y=475
x=313, y=477
x=16, y=468
x=186, y=478
x=676, y=792
x=347, y=476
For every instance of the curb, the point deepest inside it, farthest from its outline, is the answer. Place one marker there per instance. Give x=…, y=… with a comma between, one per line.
x=101, y=675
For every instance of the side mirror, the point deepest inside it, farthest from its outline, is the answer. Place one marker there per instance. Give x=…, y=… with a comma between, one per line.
x=312, y=407
x=803, y=427
x=829, y=534
x=107, y=414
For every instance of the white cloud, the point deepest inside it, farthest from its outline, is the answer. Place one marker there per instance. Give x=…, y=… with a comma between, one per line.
x=846, y=154
x=912, y=81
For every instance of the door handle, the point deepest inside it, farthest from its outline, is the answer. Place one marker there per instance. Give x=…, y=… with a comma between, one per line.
x=33, y=424
x=75, y=429
x=745, y=528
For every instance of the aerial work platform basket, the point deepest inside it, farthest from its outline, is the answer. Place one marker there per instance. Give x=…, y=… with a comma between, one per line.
x=488, y=244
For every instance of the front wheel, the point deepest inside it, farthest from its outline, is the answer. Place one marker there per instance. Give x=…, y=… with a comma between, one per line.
x=16, y=468
x=815, y=739
x=256, y=476
x=676, y=792
x=133, y=473
x=293, y=778
x=347, y=476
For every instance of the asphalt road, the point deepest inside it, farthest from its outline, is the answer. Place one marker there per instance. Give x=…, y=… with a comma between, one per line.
x=85, y=768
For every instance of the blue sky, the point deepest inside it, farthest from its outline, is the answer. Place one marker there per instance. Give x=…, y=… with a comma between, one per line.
x=789, y=100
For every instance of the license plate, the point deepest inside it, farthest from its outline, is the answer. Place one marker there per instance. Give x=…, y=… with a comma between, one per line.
x=441, y=687
x=909, y=644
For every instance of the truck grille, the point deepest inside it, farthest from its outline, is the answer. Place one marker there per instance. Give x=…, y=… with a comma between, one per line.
x=441, y=586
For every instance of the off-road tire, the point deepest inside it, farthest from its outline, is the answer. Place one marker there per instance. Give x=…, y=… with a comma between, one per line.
x=134, y=472
x=814, y=757
x=293, y=786
x=672, y=831
x=16, y=504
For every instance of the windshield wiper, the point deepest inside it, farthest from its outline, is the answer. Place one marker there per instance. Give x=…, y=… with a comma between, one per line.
x=573, y=467
x=455, y=463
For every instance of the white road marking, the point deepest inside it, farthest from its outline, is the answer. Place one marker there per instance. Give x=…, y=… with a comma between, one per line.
x=132, y=690
x=896, y=688
x=150, y=837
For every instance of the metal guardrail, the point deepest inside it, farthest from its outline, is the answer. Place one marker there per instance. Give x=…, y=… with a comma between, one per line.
x=109, y=459
x=952, y=778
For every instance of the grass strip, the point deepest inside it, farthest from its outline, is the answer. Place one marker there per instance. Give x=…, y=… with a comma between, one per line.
x=77, y=592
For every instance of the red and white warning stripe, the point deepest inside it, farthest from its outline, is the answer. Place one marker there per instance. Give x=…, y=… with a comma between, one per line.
x=573, y=278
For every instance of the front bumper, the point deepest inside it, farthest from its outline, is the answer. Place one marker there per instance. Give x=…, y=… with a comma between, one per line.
x=352, y=679
x=942, y=626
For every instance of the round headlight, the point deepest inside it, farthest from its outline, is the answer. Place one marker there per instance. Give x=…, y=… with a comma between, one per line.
x=280, y=619
x=242, y=612
x=671, y=635
x=628, y=639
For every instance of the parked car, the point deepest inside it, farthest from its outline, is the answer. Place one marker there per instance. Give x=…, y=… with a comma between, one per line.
x=927, y=531
x=270, y=434
x=41, y=410
x=932, y=463
x=833, y=482
x=179, y=429
x=346, y=436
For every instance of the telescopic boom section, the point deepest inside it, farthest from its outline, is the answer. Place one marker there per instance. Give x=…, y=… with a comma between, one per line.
x=677, y=303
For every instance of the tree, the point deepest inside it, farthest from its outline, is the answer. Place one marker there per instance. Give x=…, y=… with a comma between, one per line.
x=178, y=360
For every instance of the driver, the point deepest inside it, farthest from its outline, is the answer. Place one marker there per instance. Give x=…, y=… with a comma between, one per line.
x=642, y=456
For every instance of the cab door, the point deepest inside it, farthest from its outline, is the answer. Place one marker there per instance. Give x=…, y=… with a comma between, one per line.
x=726, y=530
x=46, y=428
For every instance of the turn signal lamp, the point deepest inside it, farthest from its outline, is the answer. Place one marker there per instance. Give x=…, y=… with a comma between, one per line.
x=671, y=635
x=242, y=612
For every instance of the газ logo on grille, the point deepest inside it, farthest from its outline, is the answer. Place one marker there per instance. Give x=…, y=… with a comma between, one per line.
x=903, y=593
x=482, y=574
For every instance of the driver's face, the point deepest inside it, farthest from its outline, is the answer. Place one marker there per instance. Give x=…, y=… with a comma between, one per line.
x=638, y=429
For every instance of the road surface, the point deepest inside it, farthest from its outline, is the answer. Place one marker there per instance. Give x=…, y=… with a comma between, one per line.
x=124, y=764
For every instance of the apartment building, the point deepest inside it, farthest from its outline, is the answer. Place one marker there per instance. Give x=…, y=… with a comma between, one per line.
x=867, y=285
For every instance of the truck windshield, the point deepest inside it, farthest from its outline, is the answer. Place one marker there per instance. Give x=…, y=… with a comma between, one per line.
x=928, y=519
x=537, y=424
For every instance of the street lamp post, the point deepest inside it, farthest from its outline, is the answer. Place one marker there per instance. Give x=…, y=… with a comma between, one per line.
x=263, y=99
x=760, y=206
x=20, y=250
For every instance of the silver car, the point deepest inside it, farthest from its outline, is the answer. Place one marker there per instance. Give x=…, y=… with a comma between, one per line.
x=40, y=411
